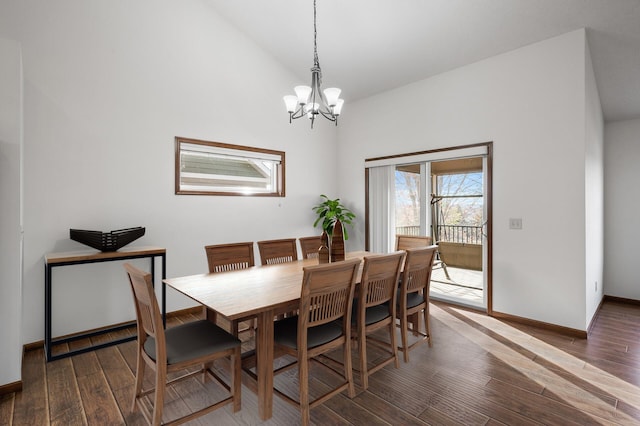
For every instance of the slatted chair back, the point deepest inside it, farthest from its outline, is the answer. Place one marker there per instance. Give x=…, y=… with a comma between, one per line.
x=404, y=242
x=278, y=251
x=327, y=292
x=380, y=275
x=417, y=271
x=309, y=246
x=230, y=257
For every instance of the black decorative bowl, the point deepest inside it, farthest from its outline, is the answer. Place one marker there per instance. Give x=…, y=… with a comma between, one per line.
x=106, y=241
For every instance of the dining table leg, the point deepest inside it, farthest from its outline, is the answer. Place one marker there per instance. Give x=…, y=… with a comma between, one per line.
x=264, y=355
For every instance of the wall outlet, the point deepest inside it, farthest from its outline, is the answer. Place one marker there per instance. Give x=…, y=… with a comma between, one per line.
x=515, y=223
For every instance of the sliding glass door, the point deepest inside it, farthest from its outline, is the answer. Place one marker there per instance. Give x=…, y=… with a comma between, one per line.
x=457, y=204
x=446, y=197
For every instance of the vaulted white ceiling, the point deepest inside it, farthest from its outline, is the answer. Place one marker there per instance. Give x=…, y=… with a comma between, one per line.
x=370, y=46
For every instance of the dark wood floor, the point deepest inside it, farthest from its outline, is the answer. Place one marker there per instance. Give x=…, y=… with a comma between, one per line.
x=480, y=371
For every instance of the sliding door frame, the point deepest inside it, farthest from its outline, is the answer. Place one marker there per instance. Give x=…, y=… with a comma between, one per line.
x=489, y=203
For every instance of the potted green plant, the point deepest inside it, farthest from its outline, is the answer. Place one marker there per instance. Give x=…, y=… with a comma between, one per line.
x=329, y=211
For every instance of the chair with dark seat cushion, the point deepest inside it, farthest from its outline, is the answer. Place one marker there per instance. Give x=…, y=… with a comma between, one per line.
x=309, y=246
x=375, y=309
x=231, y=257
x=323, y=325
x=273, y=252
x=198, y=343
x=404, y=242
x=413, y=295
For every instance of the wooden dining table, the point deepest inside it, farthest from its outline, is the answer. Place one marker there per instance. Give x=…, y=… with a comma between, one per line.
x=263, y=291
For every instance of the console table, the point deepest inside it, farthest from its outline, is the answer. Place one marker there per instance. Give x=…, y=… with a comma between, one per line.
x=53, y=260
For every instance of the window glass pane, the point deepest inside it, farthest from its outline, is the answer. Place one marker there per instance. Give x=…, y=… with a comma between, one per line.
x=459, y=207
x=221, y=169
x=408, y=200
x=460, y=184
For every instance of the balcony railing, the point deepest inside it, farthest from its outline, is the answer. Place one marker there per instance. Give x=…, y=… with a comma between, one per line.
x=449, y=233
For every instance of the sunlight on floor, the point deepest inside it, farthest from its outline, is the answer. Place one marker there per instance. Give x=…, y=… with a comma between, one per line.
x=533, y=368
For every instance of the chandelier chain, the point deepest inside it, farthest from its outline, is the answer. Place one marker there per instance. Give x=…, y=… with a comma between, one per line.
x=316, y=62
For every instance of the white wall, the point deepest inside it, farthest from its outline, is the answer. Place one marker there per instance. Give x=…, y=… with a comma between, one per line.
x=622, y=174
x=108, y=85
x=594, y=193
x=531, y=103
x=10, y=214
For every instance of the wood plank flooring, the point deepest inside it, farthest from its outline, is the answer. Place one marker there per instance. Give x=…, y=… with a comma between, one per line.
x=480, y=371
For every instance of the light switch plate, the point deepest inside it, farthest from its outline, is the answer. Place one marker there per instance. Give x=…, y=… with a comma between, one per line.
x=515, y=223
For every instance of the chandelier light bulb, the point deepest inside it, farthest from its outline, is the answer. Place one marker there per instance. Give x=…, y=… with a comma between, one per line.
x=303, y=93
x=337, y=109
x=332, y=94
x=291, y=102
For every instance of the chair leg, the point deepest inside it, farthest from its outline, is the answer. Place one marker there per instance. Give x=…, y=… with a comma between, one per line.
x=236, y=382
x=158, y=404
x=392, y=340
x=362, y=345
x=207, y=366
x=405, y=340
x=303, y=378
x=348, y=367
x=427, y=325
x=140, y=364
x=415, y=323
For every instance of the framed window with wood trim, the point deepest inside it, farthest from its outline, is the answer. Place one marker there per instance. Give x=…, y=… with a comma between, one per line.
x=215, y=168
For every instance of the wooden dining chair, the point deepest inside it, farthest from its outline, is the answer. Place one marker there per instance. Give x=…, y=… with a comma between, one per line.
x=231, y=257
x=404, y=242
x=278, y=251
x=273, y=252
x=326, y=297
x=198, y=343
x=309, y=246
x=375, y=309
x=413, y=297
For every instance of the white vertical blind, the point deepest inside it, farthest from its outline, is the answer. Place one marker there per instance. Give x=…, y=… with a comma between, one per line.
x=382, y=216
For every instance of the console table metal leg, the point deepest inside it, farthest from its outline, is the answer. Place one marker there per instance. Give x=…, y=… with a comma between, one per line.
x=164, y=290
x=47, y=311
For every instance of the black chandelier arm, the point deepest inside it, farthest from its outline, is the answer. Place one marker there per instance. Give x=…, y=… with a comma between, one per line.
x=328, y=115
x=299, y=113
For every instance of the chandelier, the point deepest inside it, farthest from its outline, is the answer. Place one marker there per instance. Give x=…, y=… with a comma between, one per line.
x=311, y=101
